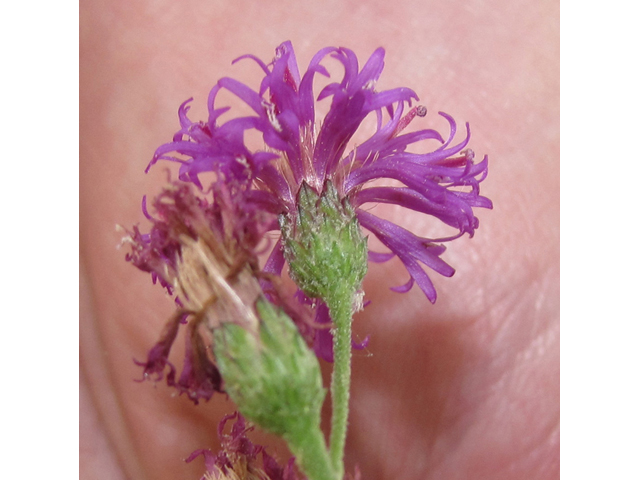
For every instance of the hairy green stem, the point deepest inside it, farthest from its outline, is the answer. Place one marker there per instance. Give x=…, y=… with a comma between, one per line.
x=309, y=447
x=341, y=313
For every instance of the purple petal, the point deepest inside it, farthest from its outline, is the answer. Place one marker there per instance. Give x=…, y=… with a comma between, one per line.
x=275, y=263
x=450, y=210
x=200, y=377
x=378, y=257
x=361, y=345
x=244, y=93
x=404, y=288
x=286, y=50
x=410, y=249
x=158, y=357
x=260, y=63
x=370, y=72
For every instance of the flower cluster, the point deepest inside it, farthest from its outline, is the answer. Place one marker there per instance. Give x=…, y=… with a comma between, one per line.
x=443, y=183
x=253, y=187
x=306, y=183
x=238, y=458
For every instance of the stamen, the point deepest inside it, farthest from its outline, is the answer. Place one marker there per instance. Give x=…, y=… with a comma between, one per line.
x=419, y=110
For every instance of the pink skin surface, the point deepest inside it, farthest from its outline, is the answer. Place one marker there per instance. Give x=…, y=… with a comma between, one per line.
x=465, y=388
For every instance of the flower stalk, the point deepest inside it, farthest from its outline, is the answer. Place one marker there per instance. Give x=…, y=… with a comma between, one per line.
x=340, y=307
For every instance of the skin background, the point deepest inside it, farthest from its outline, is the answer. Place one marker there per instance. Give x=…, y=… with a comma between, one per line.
x=465, y=388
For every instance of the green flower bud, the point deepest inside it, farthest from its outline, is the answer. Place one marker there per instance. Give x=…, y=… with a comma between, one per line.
x=271, y=374
x=275, y=380
x=323, y=245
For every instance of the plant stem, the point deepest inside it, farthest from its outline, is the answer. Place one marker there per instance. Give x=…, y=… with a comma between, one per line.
x=341, y=311
x=309, y=447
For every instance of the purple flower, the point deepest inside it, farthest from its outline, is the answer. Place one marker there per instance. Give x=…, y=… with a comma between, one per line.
x=443, y=182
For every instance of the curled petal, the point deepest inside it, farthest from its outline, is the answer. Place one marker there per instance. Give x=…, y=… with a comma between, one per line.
x=404, y=288
x=410, y=249
x=200, y=377
x=158, y=357
x=380, y=257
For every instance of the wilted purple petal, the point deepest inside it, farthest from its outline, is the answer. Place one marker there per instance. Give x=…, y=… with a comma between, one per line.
x=239, y=456
x=158, y=356
x=200, y=377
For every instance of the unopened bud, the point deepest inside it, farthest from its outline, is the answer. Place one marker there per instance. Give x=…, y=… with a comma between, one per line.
x=271, y=374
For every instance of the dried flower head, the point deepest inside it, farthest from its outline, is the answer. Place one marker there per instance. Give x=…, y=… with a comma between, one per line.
x=205, y=253
x=238, y=459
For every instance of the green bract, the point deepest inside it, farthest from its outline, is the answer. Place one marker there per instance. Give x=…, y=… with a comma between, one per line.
x=271, y=375
x=275, y=380
x=323, y=245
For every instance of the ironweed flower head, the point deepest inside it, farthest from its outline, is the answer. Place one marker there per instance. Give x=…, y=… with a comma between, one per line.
x=443, y=182
x=204, y=251
x=238, y=459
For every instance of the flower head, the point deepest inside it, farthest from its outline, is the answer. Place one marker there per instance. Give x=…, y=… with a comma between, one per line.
x=205, y=252
x=238, y=459
x=443, y=183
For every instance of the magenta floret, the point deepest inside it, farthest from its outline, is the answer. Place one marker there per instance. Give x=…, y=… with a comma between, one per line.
x=239, y=452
